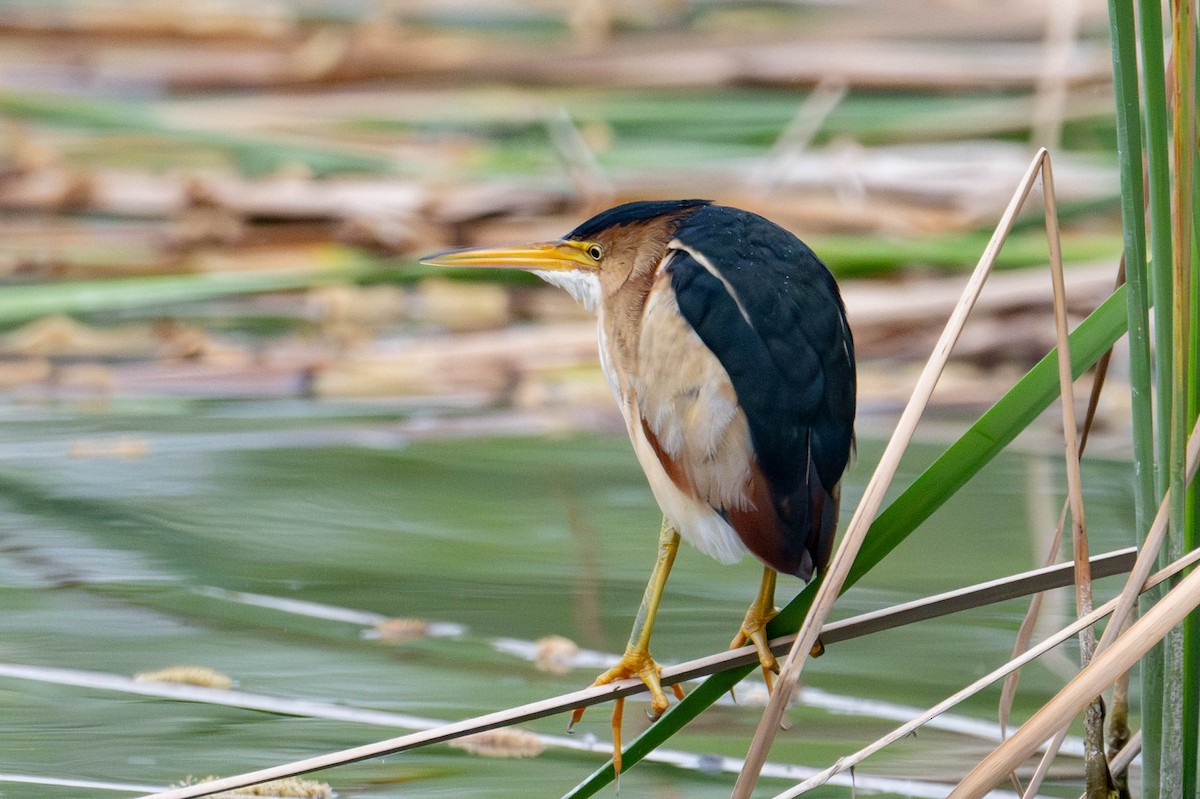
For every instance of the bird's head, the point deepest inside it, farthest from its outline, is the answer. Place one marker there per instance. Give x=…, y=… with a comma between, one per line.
x=595, y=260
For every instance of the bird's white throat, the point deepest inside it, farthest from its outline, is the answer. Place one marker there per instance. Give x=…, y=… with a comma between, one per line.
x=583, y=286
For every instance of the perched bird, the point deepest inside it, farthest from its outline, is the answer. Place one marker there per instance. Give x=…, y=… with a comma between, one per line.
x=725, y=342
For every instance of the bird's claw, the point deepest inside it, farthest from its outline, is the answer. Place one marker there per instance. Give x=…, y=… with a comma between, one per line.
x=754, y=631
x=633, y=663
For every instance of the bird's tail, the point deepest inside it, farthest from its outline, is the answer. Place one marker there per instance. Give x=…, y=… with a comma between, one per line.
x=823, y=509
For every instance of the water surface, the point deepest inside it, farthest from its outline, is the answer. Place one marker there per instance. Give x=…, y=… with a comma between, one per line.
x=124, y=530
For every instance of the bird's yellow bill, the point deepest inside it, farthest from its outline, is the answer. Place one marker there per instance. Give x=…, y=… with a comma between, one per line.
x=551, y=256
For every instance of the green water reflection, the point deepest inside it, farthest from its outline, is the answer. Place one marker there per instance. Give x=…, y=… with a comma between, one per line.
x=104, y=554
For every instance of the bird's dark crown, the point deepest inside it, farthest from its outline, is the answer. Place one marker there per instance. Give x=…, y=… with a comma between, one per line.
x=628, y=213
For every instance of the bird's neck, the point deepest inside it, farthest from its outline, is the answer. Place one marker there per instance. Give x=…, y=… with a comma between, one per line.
x=621, y=316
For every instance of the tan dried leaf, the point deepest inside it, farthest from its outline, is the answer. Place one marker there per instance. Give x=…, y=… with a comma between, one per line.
x=201, y=676
x=506, y=742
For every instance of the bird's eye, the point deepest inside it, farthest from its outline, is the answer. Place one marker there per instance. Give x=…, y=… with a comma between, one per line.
x=595, y=252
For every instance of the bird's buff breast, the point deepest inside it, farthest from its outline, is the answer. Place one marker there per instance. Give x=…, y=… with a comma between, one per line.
x=689, y=434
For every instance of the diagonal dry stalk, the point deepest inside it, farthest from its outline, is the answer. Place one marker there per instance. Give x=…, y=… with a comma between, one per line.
x=872, y=499
x=1106, y=667
x=1096, y=766
x=910, y=727
x=578, y=158
x=1044, y=579
x=791, y=144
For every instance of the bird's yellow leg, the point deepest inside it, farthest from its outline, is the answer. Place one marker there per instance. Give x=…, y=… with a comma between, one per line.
x=754, y=626
x=636, y=662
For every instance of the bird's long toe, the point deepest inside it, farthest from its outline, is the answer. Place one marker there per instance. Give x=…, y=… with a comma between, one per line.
x=754, y=631
x=639, y=664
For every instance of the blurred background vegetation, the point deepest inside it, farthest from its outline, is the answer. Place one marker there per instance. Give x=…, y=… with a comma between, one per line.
x=224, y=371
x=199, y=150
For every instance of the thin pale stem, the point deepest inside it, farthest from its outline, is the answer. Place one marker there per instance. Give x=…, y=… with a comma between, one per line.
x=1094, y=720
x=1083, y=580
x=810, y=116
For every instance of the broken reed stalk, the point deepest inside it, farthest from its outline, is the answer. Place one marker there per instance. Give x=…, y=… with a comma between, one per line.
x=1019, y=585
x=1096, y=767
x=910, y=727
x=1116, y=637
x=872, y=499
x=1118, y=734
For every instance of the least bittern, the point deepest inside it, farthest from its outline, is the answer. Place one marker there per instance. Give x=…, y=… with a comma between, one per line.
x=726, y=345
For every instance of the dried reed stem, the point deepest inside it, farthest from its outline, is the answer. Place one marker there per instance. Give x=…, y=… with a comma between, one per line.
x=1025, y=633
